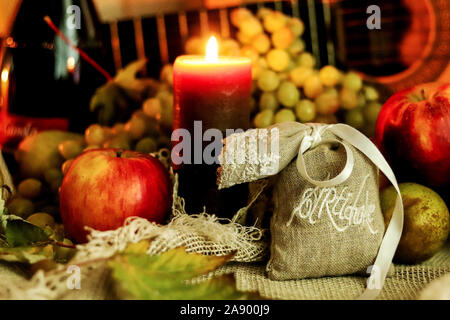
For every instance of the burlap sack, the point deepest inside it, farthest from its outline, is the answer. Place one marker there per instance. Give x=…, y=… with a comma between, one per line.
x=327, y=219
x=325, y=231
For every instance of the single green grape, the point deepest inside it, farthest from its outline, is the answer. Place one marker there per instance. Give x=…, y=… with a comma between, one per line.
x=284, y=115
x=229, y=48
x=329, y=76
x=371, y=112
x=274, y=20
x=297, y=26
x=289, y=68
x=30, y=188
x=282, y=38
x=297, y=47
x=355, y=118
x=243, y=38
x=166, y=74
x=120, y=141
x=268, y=80
x=251, y=27
x=195, y=45
x=95, y=134
x=42, y=220
x=152, y=107
x=65, y=166
x=288, y=94
x=371, y=93
x=306, y=59
x=327, y=102
x=278, y=59
x=139, y=126
x=166, y=98
x=146, y=145
x=250, y=52
x=263, y=63
x=312, y=86
x=118, y=128
x=70, y=149
x=305, y=110
x=20, y=207
x=361, y=100
x=268, y=100
x=63, y=254
x=298, y=75
x=238, y=15
x=261, y=43
x=352, y=81
x=135, y=128
x=263, y=119
x=262, y=12
x=257, y=67
x=348, y=98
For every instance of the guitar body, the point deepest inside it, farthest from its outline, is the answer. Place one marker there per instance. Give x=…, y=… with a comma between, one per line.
x=414, y=35
x=425, y=47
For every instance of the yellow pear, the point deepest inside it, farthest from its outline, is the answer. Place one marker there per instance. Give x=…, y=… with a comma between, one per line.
x=39, y=152
x=426, y=224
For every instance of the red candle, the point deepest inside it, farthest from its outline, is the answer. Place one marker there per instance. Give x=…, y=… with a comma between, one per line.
x=216, y=91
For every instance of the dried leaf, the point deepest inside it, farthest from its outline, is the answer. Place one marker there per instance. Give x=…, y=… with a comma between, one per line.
x=18, y=232
x=165, y=276
x=28, y=255
x=117, y=99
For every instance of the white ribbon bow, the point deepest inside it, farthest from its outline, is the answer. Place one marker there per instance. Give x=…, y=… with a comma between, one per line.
x=362, y=143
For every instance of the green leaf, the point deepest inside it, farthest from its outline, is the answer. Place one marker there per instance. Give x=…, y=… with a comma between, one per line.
x=164, y=276
x=19, y=232
x=28, y=255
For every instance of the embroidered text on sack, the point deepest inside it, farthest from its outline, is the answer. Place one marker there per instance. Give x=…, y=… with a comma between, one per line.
x=342, y=208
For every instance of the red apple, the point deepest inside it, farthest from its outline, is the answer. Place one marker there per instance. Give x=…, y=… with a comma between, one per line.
x=103, y=187
x=413, y=132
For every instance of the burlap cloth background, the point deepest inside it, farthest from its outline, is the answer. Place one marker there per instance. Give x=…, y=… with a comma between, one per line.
x=407, y=282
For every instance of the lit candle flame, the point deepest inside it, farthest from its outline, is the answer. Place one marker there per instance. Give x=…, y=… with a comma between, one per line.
x=5, y=75
x=212, y=50
x=70, y=64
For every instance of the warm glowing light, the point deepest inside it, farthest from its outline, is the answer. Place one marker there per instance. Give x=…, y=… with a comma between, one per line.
x=9, y=42
x=70, y=64
x=5, y=75
x=212, y=50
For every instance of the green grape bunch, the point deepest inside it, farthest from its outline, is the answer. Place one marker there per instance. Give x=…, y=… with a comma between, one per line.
x=288, y=83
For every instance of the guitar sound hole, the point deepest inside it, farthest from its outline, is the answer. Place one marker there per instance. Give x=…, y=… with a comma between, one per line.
x=401, y=41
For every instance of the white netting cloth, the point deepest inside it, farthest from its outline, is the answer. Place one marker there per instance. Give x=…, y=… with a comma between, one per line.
x=200, y=233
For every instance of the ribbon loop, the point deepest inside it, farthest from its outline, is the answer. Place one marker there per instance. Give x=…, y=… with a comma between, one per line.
x=313, y=140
